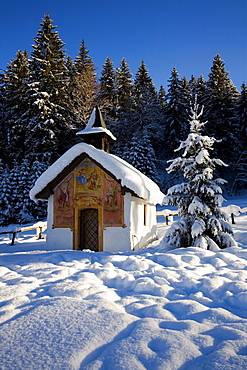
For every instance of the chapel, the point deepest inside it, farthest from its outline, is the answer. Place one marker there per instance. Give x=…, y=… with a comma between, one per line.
x=96, y=200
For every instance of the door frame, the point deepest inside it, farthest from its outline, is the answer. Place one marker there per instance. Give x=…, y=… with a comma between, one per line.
x=76, y=241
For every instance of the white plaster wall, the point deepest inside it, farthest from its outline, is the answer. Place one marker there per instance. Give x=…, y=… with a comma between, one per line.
x=117, y=239
x=142, y=234
x=58, y=238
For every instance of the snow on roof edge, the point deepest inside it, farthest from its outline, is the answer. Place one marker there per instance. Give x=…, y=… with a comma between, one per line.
x=94, y=130
x=128, y=175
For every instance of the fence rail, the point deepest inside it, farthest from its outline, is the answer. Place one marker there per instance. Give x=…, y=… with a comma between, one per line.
x=15, y=230
x=231, y=210
x=167, y=213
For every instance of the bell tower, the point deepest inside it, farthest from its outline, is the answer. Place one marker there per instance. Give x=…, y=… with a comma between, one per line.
x=96, y=133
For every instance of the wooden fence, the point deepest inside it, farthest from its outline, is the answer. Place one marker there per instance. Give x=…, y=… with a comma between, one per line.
x=15, y=230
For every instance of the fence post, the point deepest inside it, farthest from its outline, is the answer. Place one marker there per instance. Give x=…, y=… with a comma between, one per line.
x=40, y=232
x=13, y=238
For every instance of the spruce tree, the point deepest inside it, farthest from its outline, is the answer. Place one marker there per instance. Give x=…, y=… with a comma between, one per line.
x=38, y=210
x=192, y=86
x=241, y=109
x=124, y=86
x=240, y=180
x=16, y=183
x=25, y=185
x=141, y=155
x=219, y=101
x=3, y=138
x=82, y=87
x=5, y=196
x=14, y=88
x=11, y=198
x=187, y=90
x=147, y=108
x=162, y=97
x=175, y=114
x=106, y=96
x=202, y=223
x=197, y=88
x=144, y=89
x=122, y=126
x=48, y=130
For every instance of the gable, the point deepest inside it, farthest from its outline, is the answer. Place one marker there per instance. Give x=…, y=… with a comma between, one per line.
x=129, y=177
x=75, y=165
x=88, y=186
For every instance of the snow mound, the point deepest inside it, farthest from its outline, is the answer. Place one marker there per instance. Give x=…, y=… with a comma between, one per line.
x=155, y=308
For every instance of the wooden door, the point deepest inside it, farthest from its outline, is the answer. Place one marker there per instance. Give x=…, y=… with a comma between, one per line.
x=89, y=229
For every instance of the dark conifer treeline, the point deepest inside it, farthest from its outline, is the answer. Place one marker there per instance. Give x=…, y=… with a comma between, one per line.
x=47, y=97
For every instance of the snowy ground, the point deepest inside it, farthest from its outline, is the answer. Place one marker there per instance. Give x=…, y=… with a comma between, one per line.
x=151, y=309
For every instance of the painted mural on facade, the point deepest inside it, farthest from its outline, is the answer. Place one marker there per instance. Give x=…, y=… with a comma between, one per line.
x=112, y=202
x=88, y=178
x=88, y=186
x=63, y=205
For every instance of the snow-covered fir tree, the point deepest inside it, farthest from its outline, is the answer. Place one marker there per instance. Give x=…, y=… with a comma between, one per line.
x=162, y=96
x=5, y=196
x=240, y=166
x=15, y=105
x=220, y=98
x=106, y=96
x=242, y=118
x=176, y=115
x=122, y=126
x=25, y=185
x=202, y=223
x=49, y=133
x=146, y=104
x=11, y=199
x=197, y=88
x=140, y=154
x=82, y=87
x=124, y=86
x=16, y=183
x=38, y=210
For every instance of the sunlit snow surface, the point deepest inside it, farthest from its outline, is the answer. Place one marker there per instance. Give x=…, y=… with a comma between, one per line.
x=150, y=309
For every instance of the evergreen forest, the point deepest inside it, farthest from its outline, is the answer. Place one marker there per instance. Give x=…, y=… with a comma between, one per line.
x=46, y=97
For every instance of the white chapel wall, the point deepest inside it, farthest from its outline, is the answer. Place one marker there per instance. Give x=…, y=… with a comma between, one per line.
x=57, y=238
x=118, y=239
x=143, y=223
x=137, y=233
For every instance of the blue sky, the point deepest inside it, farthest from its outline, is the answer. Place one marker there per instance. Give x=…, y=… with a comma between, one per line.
x=186, y=34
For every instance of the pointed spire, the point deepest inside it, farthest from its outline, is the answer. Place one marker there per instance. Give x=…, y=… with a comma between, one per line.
x=96, y=119
x=96, y=132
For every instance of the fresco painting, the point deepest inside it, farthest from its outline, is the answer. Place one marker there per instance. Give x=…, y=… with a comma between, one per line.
x=88, y=178
x=112, y=201
x=64, y=211
x=88, y=181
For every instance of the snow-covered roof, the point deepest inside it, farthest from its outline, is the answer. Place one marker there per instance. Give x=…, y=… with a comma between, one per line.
x=96, y=124
x=127, y=175
x=94, y=130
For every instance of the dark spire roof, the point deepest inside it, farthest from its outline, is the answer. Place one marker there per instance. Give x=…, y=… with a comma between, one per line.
x=95, y=133
x=96, y=125
x=99, y=120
